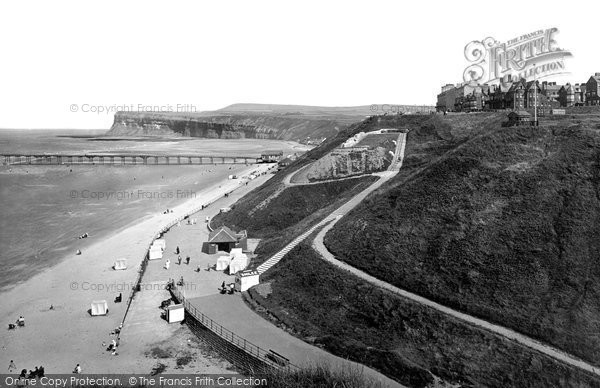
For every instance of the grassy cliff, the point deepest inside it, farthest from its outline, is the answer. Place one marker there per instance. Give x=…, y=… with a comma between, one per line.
x=502, y=223
x=406, y=341
x=499, y=222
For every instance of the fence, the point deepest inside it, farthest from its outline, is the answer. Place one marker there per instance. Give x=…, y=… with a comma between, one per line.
x=159, y=234
x=269, y=358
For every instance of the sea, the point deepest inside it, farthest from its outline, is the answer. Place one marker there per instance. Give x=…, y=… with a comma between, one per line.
x=46, y=208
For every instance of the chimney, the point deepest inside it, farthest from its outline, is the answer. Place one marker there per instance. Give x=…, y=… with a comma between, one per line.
x=597, y=75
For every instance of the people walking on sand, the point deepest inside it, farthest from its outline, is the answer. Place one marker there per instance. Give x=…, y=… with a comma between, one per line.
x=77, y=369
x=12, y=366
x=187, y=260
x=167, y=264
x=179, y=260
x=223, y=285
x=177, y=250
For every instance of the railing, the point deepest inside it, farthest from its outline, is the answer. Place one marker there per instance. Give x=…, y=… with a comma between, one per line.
x=270, y=358
x=159, y=234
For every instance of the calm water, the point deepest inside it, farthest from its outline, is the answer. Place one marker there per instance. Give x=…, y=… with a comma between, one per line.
x=45, y=208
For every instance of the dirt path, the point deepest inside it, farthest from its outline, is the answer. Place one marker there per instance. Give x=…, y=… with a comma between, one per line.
x=394, y=166
x=319, y=246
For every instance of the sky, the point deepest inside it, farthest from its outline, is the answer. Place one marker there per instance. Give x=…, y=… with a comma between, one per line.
x=62, y=62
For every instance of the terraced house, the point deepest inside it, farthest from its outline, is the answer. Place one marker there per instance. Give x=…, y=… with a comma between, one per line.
x=518, y=94
x=592, y=90
x=571, y=95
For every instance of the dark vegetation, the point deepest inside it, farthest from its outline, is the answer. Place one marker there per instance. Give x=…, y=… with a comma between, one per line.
x=319, y=377
x=277, y=214
x=500, y=223
x=404, y=340
x=289, y=213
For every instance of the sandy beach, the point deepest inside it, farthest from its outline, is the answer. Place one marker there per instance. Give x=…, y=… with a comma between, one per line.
x=65, y=335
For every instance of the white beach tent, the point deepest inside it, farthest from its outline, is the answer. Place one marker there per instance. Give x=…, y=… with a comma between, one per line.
x=99, y=307
x=120, y=264
x=156, y=253
x=239, y=263
x=246, y=279
x=175, y=313
x=160, y=243
x=223, y=263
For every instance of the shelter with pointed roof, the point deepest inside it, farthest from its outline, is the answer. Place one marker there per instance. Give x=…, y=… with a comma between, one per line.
x=520, y=117
x=225, y=239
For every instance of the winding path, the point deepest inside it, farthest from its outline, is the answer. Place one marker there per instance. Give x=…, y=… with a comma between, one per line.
x=531, y=343
x=330, y=221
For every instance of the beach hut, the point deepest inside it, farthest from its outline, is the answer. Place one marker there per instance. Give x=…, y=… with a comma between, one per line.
x=238, y=263
x=246, y=279
x=223, y=263
x=156, y=253
x=120, y=264
x=175, y=313
x=99, y=307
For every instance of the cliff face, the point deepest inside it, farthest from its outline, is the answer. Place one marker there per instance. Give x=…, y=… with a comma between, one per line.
x=228, y=126
x=347, y=162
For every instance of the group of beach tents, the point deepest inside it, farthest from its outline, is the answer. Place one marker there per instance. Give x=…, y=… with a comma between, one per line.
x=236, y=261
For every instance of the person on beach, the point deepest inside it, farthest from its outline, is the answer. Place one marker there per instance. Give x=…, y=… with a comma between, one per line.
x=179, y=260
x=187, y=260
x=177, y=250
x=12, y=366
x=223, y=286
x=33, y=373
x=167, y=264
x=21, y=321
x=77, y=369
x=41, y=372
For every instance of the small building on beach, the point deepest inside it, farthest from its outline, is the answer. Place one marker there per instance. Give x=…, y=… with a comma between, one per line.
x=225, y=239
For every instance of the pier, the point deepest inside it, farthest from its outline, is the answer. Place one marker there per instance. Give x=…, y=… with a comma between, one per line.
x=122, y=159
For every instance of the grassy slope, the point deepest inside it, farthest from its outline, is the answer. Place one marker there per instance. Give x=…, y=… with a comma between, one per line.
x=291, y=206
x=503, y=223
x=289, y=212
x=352, y=319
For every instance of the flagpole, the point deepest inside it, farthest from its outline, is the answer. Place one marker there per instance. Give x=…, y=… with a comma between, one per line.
x=535, y=98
